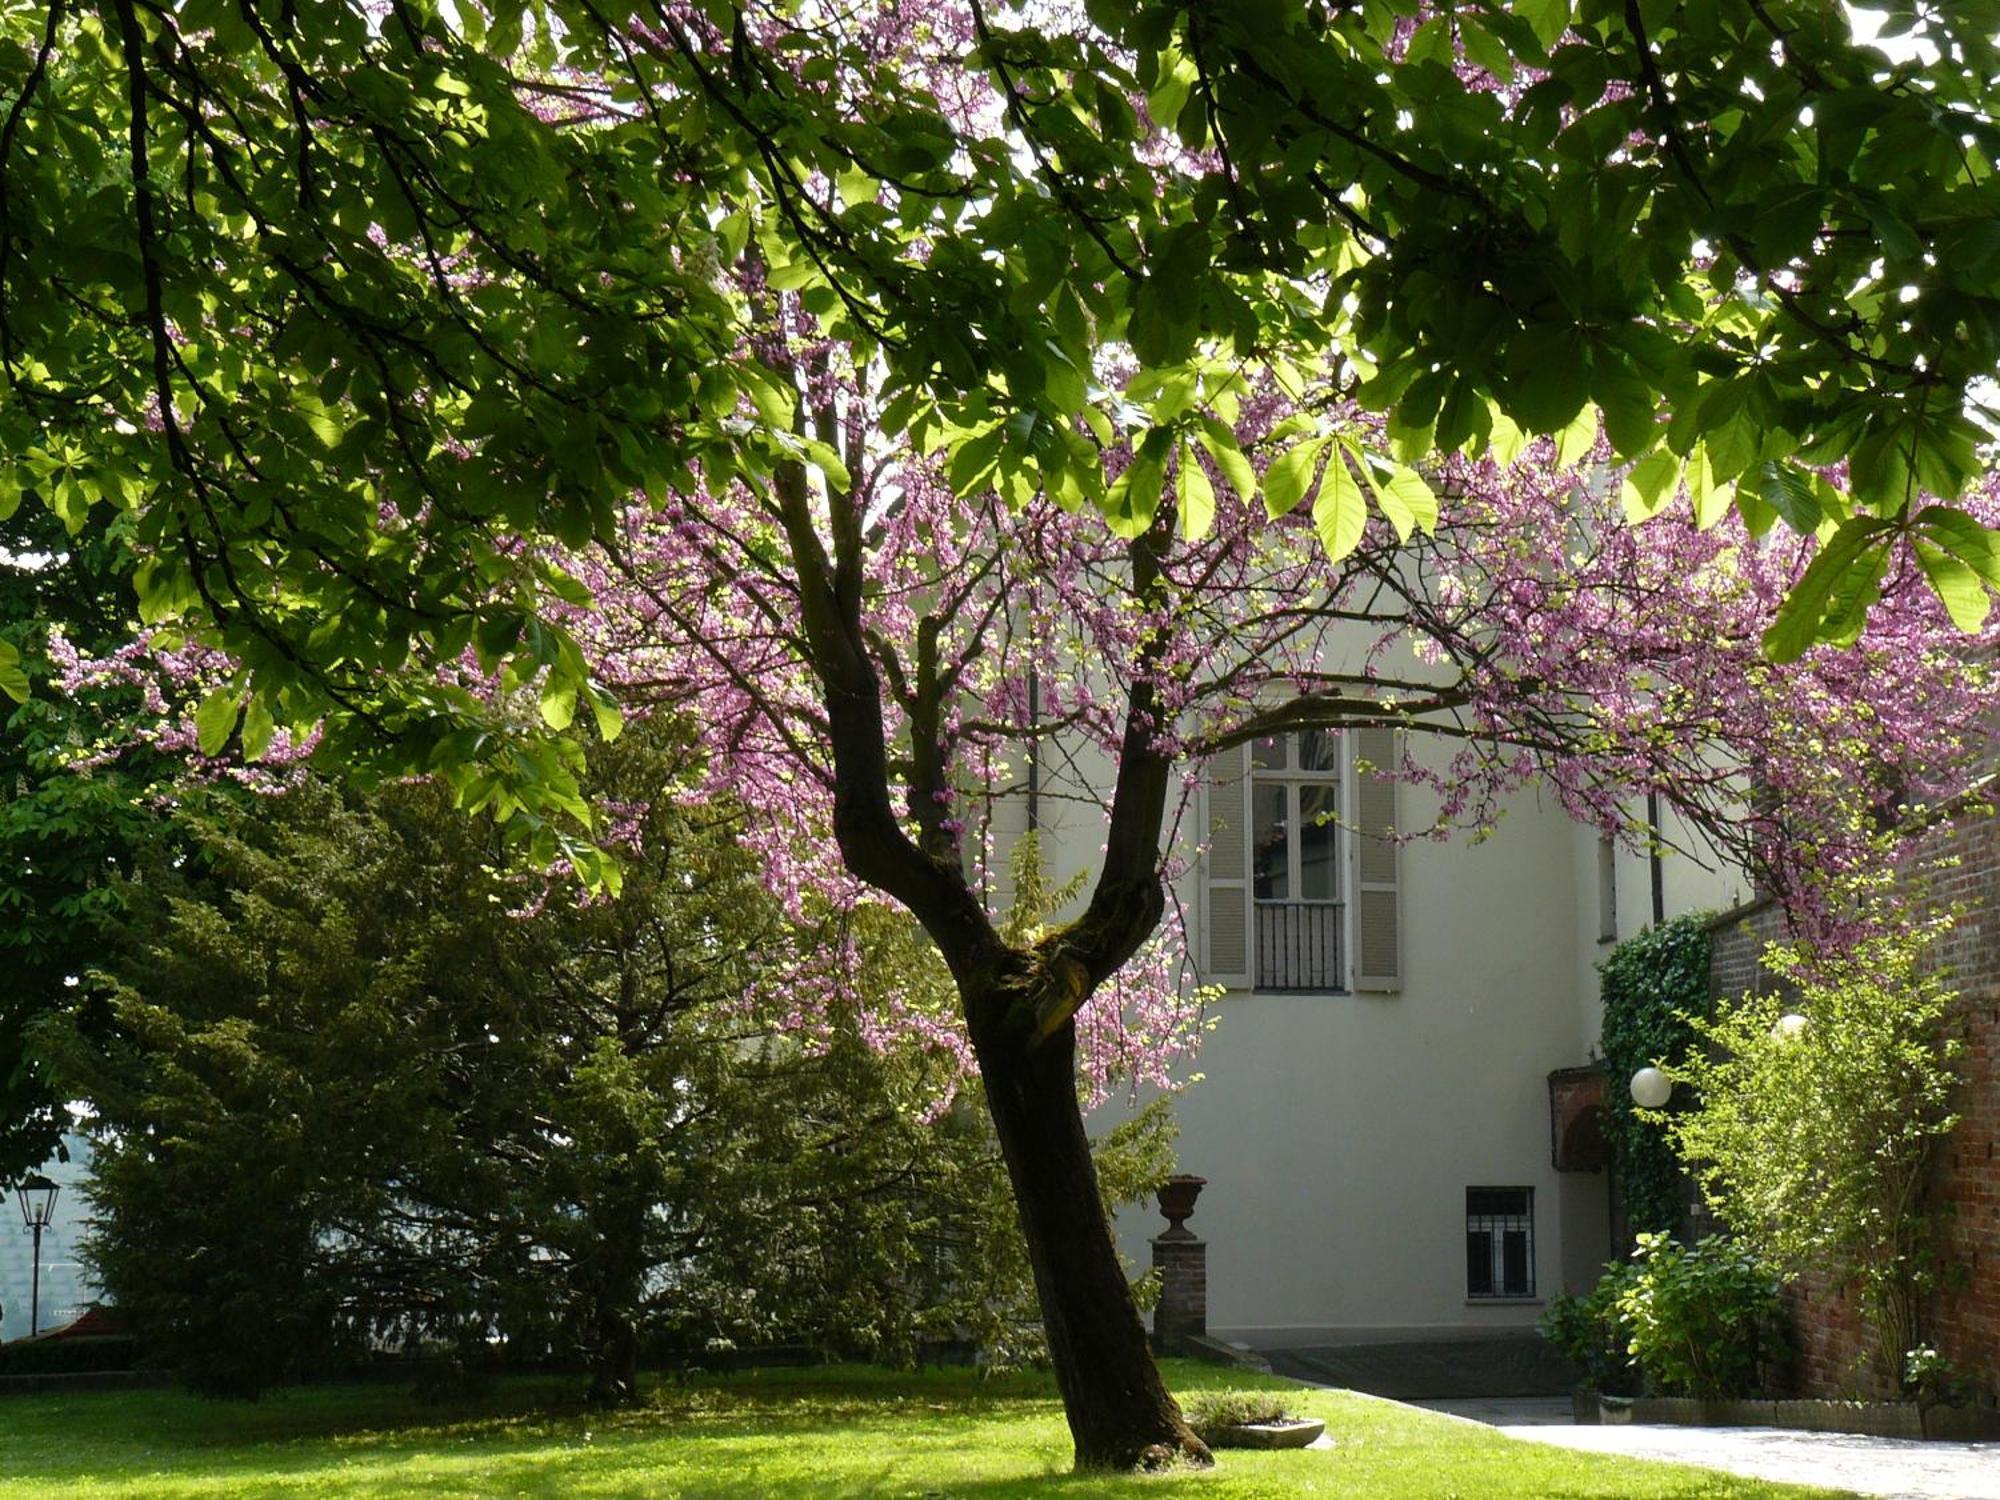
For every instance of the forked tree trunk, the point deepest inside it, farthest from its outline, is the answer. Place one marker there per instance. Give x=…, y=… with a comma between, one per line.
x=1120, y=1413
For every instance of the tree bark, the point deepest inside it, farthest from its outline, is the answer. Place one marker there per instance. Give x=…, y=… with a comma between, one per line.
x=614, y=1376
x=618, y=1274
x=1120, y=1413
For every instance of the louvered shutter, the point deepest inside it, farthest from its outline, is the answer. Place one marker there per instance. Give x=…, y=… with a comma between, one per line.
x=1378, y=922
x=1225, y=948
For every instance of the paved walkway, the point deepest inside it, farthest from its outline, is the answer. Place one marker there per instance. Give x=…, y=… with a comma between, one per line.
x=1518, y=1363
x=1901, y=1468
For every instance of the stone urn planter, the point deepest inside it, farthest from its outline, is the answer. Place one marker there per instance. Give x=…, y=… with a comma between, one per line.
x=1177, y=1195
x=1291, y=1432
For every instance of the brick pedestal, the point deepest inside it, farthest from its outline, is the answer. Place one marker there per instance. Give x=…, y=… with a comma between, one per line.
x=1182, y=1261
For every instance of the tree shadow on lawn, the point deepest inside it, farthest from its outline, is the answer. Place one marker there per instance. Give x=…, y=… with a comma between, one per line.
x=788, y=1435
x=365, y=1411
x=89, y=1434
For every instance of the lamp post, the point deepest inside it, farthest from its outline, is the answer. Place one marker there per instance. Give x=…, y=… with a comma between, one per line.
x=37, y=1197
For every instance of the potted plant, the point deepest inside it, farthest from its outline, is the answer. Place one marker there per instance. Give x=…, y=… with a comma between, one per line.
x=1587, y=1331
x=1177, y=1196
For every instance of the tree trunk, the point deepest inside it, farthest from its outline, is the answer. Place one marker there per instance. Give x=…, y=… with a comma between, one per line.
x=1120, y=1414
x=619, y=1274
x=614, y=1372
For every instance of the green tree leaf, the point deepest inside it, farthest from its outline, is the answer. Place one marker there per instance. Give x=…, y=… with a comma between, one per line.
x=1340, y=514
x=1962, y=589
x=1650, y=485
x=1806, y=608
x=1787, y=491
x=604, y=711
x=214, y=720
x=1709, y=495
x=1287, y=480
x=1627, y=402
x=13, y=681
x=1405, y=498
x=1977, y=546
x=558, y=702
x=1220, y=444
x=259, y=729
x=1196, y=495
x=1549, y=18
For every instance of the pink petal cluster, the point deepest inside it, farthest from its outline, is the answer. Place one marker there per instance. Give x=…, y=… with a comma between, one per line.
x=1537, y=634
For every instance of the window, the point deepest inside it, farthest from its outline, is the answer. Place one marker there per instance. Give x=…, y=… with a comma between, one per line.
x=1295, y=884
x=1499, y=1242
x=1300, y=889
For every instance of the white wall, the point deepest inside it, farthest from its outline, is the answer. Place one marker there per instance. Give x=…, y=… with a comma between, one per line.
x=1693, y=878
x=1339, y=1132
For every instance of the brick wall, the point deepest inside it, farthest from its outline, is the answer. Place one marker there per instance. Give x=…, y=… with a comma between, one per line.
x=1964, y=1317
x=1965, y=1320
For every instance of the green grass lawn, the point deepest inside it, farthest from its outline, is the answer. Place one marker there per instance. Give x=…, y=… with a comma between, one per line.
x=787, y=1434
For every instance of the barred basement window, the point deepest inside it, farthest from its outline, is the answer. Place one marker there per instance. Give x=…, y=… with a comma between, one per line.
x=1499, y=1242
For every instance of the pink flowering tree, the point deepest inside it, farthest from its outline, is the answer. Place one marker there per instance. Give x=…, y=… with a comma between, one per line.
x=876, y=639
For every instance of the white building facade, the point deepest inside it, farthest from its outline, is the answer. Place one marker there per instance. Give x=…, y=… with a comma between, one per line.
x=1373, y=1115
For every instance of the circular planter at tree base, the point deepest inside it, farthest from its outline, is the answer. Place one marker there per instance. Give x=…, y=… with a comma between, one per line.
x=1297, y=1432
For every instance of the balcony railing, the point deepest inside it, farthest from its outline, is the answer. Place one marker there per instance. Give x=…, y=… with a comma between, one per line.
x=1298, y=945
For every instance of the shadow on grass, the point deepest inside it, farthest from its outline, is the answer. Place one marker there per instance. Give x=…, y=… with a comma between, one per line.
x=822, y=1434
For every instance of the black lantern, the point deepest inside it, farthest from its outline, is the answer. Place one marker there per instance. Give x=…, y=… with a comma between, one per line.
x=37, y=1197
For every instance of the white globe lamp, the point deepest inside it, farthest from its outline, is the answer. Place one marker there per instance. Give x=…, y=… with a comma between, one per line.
x=1651, y=1089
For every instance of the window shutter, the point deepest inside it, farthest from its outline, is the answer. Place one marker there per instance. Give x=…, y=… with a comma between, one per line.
x=1225, y=951
x=1378, y=923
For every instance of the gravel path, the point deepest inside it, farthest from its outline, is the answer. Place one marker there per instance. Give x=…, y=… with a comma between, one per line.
x=1899, y=1468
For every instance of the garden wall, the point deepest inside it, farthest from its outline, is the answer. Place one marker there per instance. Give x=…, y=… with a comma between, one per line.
x=1964, y=1318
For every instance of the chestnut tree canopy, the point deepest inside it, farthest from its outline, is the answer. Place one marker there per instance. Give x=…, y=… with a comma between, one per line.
x=334, y=304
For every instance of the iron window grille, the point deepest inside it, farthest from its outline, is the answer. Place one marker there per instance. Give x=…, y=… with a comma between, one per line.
x=1499, y=1242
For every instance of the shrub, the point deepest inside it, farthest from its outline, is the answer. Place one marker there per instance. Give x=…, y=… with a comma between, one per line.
x=1699, y=1320
x=1589, y=1333
x=71, y=1356
x=1932, y=1380
x=1812, y=1138
x=361, y=1097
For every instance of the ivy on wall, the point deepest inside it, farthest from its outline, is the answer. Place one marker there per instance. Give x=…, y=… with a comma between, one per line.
x=1651, y=983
